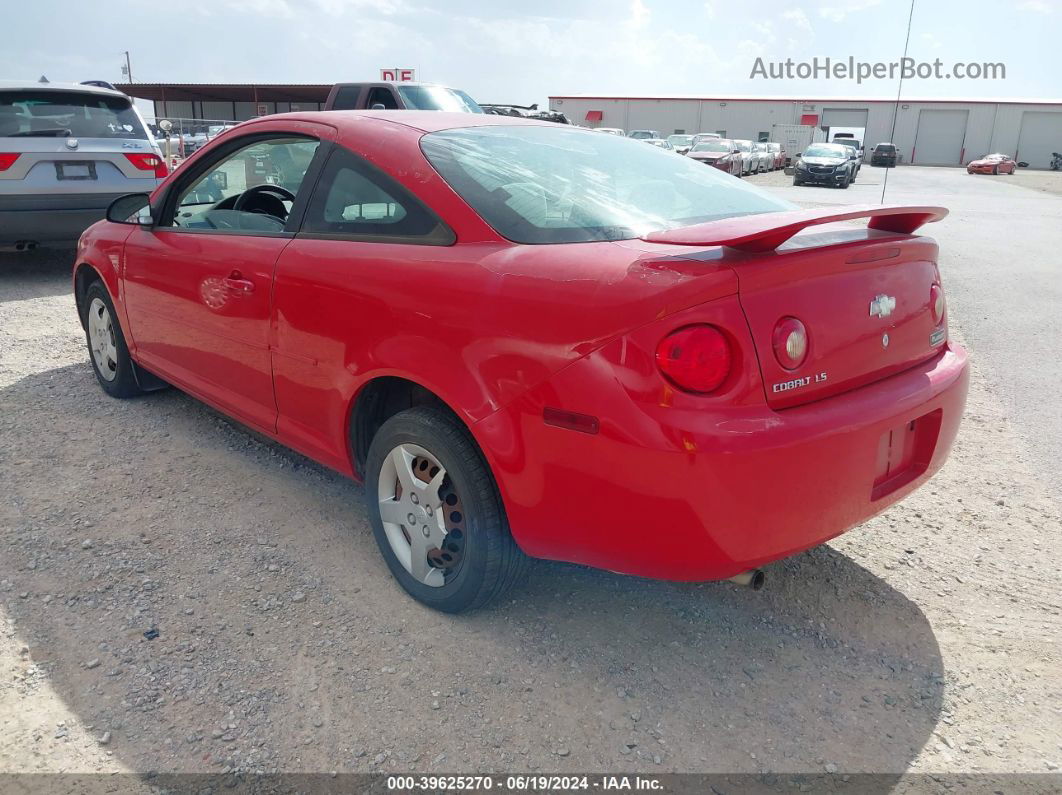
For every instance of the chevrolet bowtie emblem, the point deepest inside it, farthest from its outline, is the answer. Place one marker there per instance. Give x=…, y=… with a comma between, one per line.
x=882, y=306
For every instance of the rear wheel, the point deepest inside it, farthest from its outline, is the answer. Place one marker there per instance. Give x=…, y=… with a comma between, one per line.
x=106, y=344
x=436, y=513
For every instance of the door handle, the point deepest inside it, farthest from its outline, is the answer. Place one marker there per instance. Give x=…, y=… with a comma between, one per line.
x=238, y=284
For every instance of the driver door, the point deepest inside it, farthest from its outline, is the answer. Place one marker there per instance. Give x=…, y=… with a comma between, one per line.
x=198, y=283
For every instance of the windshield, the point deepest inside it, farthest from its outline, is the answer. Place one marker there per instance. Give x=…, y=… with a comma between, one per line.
x=826, y=150
x=744, y=146
x=437, y=98
x=680, y=140
x=66, y=114
x=643, y=134
x=540, y=184
x=714, y=146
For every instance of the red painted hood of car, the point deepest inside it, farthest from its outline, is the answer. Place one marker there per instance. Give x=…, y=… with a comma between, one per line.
x=767, y=231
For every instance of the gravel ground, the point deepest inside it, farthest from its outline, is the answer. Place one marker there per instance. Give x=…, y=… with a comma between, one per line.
x=926, y=640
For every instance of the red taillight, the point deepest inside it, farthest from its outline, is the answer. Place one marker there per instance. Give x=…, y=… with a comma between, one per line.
x=936, y=303
x=790, y=341
x=7, y=159
x=695, y=358
x=148, y=162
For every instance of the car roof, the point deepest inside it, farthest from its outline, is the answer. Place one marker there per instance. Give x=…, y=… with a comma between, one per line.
x=33, y=85
x=424, y=120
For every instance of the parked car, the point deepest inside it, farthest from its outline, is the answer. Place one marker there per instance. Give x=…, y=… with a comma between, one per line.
x=825, y=164
x=66, y=152
x=764, y=157
x=322, y=315
x=849, y=139
x=523, y=111
x=681, y=143
x=749, y=159
x=612, y=131
x=884, y=154
x=661, y=143
x=399, y=96
x=776, y=149
x=997, y=163
x=855, y=153
x=721, y=153
x=214, y=130
x=643, y=135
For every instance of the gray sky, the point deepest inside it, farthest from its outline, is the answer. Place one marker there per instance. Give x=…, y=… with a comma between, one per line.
x=524, y=51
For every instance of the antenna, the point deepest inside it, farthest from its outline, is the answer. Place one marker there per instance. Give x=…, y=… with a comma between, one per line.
x=896, y=105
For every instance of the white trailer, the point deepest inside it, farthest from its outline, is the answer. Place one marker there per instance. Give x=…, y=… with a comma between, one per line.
x=795, y=138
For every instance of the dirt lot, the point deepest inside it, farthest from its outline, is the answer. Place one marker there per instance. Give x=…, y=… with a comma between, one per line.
x=926, y=640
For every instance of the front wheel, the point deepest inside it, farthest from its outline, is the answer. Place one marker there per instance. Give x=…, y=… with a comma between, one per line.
x=436, y=513
x=106, y=344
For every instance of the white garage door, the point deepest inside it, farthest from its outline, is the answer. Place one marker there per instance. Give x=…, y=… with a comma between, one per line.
x=1041, y=134
x=939, y=140
x=843, y=117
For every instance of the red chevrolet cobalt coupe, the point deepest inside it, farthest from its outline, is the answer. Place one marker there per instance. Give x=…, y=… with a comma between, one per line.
x=533, y=340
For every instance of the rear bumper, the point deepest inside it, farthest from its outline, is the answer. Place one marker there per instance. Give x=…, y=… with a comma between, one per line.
x=699, y=496
x=50, y=219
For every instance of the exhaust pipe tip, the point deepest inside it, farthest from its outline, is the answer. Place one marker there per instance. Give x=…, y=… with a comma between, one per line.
x=753, y=578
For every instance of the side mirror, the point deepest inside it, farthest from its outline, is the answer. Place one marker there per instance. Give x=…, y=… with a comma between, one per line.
x=133, y=208
x=377, y=106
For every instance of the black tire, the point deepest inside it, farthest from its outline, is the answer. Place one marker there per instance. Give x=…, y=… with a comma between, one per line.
x=797, y=183
x=119, y=381
x=491, y=562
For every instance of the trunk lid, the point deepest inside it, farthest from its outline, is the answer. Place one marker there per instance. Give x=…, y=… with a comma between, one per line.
x=866, y=308
x=864, y=296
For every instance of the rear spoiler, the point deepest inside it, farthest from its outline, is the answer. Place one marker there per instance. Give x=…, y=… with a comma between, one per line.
x=767, y=231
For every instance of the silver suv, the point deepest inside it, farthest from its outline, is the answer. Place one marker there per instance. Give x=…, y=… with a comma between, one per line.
x=66, y=152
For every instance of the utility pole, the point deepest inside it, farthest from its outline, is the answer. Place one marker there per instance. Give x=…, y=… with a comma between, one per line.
x=128, y=68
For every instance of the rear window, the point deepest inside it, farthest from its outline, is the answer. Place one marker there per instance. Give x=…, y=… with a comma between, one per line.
x=540, y=184
x=66, y=114
x=438, y=98
x=886, y=148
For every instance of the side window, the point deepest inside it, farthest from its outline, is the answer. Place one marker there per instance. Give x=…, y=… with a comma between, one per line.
x=251, y=189
x=346, y=97
x=382, y=96
x=355, y=200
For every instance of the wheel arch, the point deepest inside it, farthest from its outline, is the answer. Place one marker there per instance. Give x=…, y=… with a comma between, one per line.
x=379, y=399
x=84, y=275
